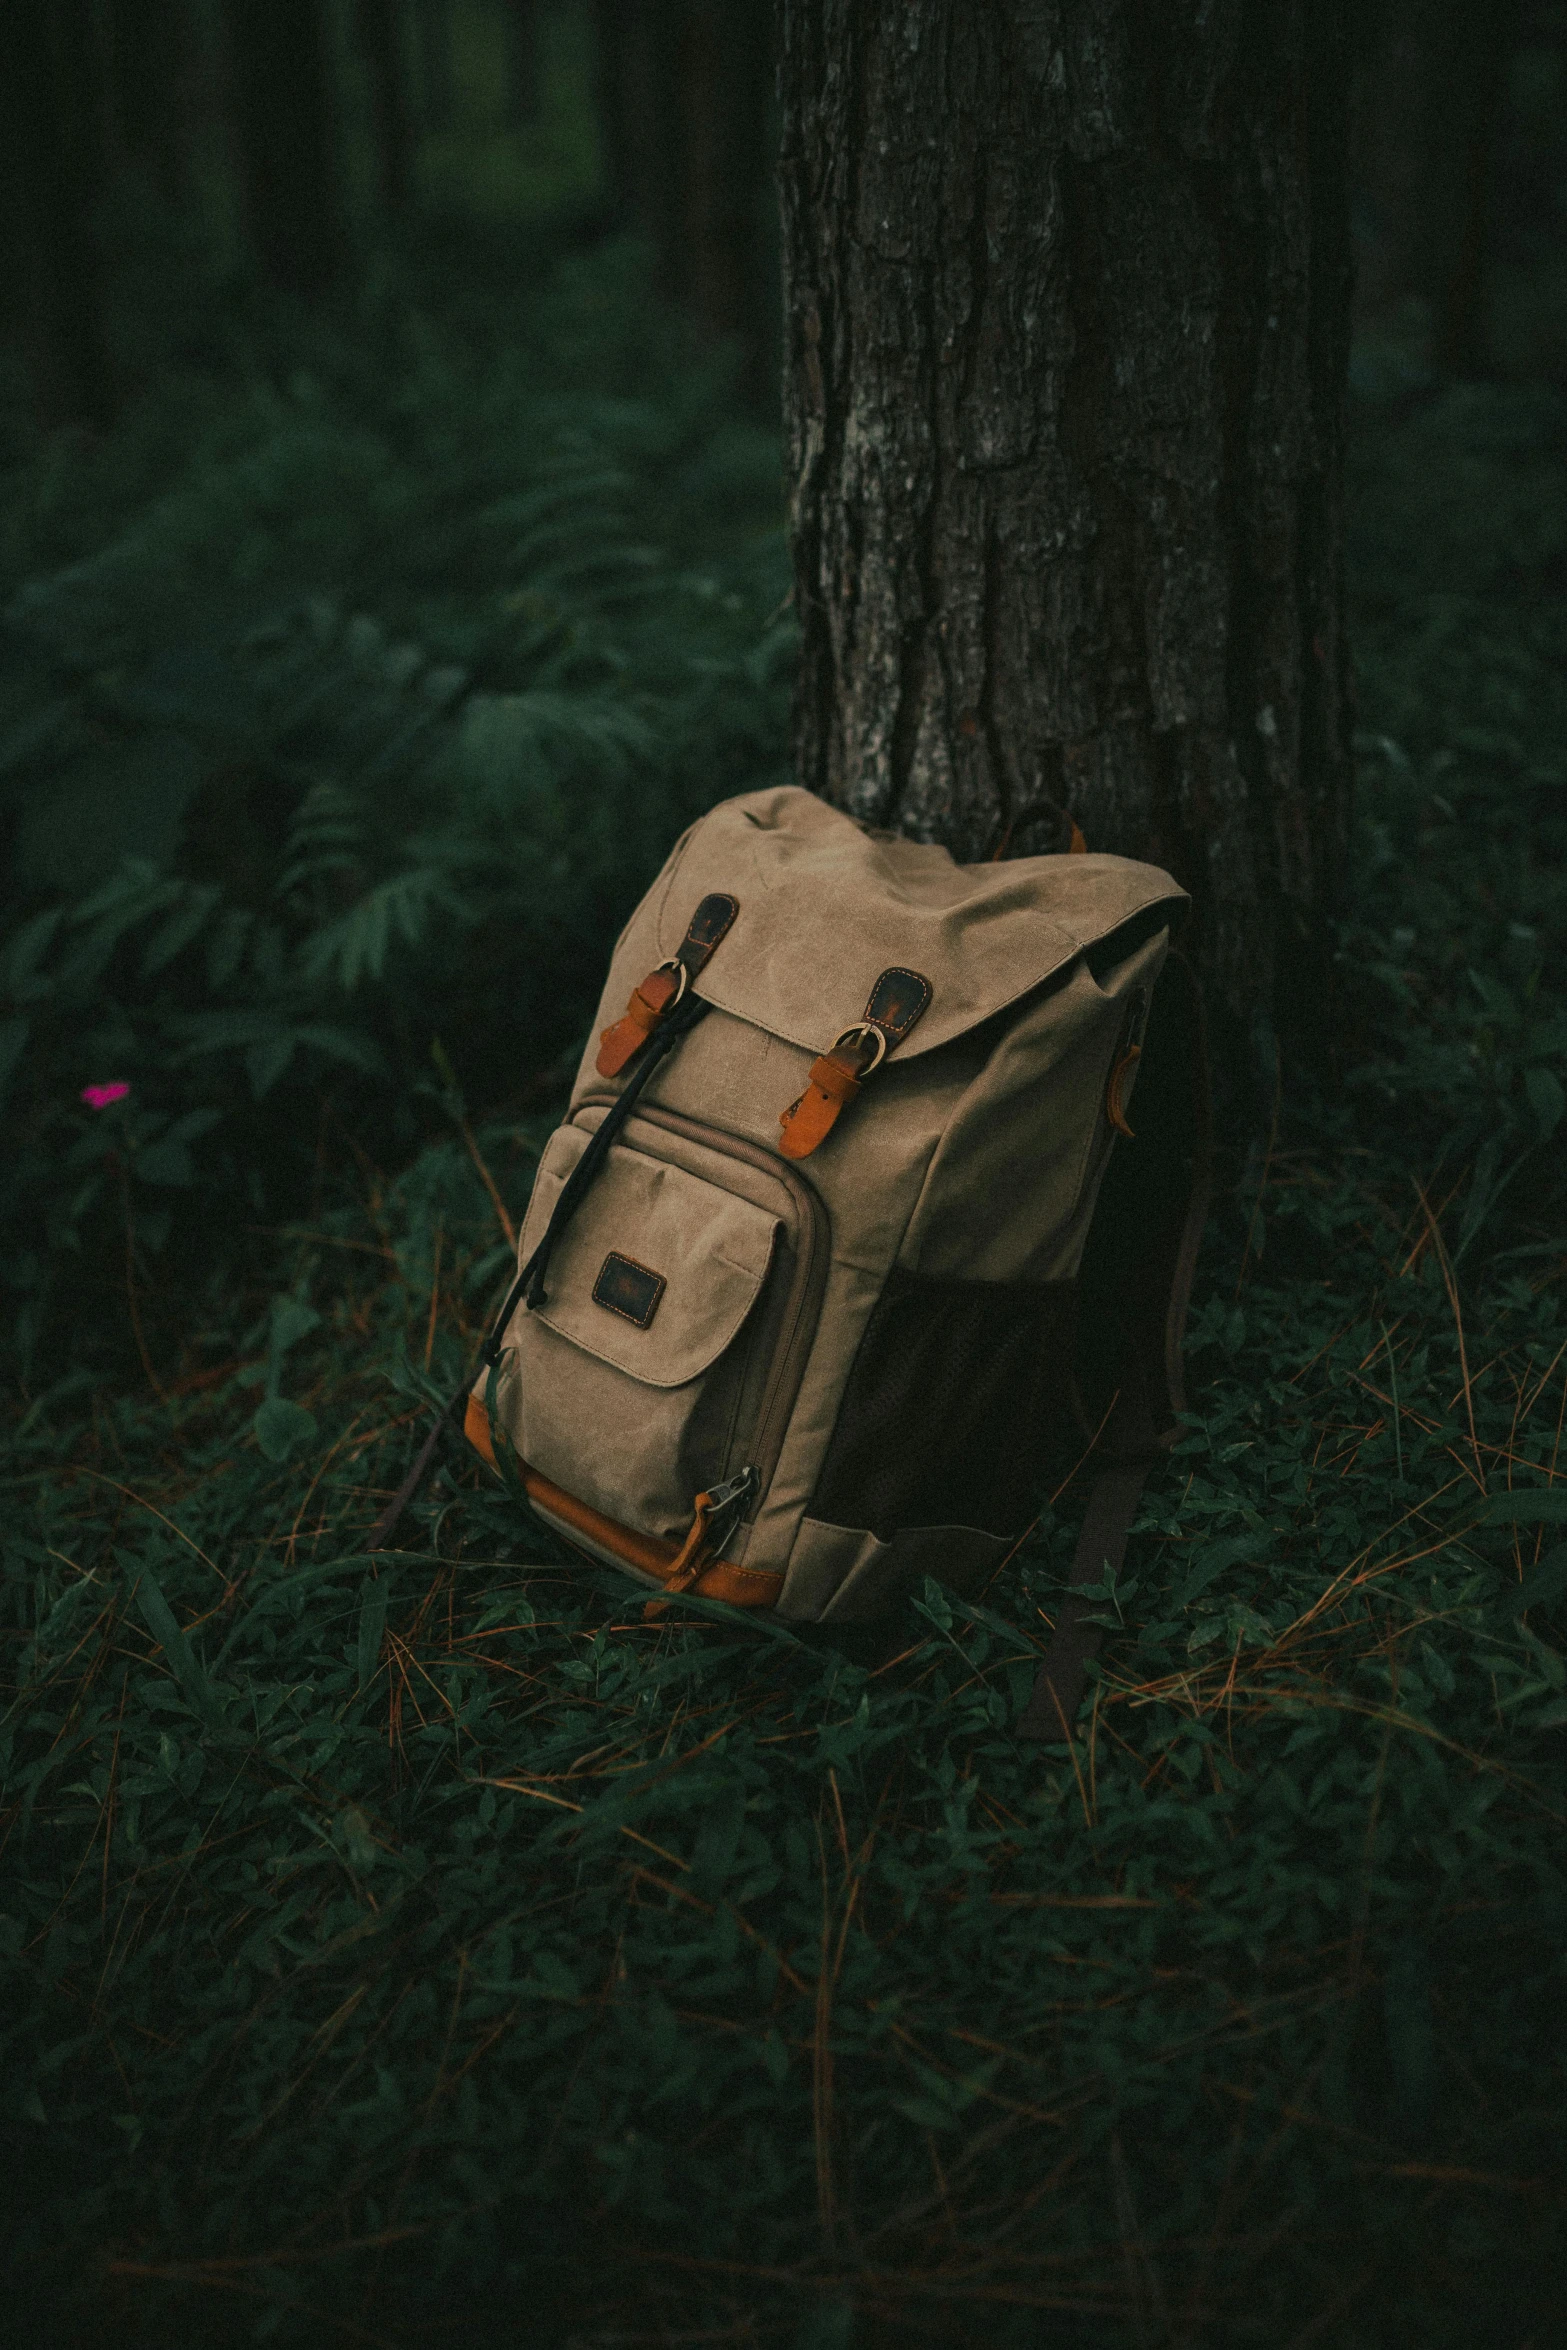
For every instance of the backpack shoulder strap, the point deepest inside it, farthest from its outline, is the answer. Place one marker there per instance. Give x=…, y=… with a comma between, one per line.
x=1133, y=1291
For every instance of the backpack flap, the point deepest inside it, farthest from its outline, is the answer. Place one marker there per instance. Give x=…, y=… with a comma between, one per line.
x=830, y=913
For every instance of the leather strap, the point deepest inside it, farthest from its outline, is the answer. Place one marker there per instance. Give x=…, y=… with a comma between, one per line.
x=833, y=1083
x=1112, y=1505
x=898, y=1000
x=1154, y=1248
x=664, y=986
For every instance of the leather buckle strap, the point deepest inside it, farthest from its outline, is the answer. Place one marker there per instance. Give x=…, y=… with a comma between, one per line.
x=1101, y=1548
x=666, y=984
x=896, y=1002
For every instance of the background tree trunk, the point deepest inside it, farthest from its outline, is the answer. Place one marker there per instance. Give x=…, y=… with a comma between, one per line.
x=378, y=27
x=433, y=24
x=1067, y=304
x=148, y=42
x=51, y=174
x=524, y=70
x=283, y=117
x=683, y=95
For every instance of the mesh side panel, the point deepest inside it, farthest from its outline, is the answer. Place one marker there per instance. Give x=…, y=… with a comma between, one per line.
x=956, y=1393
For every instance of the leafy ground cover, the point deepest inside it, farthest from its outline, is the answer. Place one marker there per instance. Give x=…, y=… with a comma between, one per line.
x=433, y=1947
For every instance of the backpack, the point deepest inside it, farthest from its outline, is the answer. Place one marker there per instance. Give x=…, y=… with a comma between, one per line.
x=845, y=1231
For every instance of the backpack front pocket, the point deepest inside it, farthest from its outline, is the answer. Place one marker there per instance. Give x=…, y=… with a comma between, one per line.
x=649, y=1372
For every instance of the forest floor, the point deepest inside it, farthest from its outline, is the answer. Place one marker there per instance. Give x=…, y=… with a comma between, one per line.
x=433, y=1948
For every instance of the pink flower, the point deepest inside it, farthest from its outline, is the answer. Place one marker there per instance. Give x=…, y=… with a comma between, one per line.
x=98, y=1097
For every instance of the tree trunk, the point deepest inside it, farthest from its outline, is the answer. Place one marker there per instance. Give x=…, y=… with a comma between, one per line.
x=1067, y=298
x=378, y=27
x=1430, y=88
x=636, y=110
x=524, y=78
x=433, y=24
x=724, y=59
x=148, y=43
x=51, y=168
x=283, y=115
x=683, y=103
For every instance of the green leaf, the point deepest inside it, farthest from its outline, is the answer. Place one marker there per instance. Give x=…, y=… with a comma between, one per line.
x=281, y=1428
x=160, y=1621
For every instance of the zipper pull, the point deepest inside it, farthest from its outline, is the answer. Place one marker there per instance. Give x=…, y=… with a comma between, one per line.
x=711, y=1527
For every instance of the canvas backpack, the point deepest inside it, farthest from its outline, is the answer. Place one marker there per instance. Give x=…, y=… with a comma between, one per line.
x=846, y=1235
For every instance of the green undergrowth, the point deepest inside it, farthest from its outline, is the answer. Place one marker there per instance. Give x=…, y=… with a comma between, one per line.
x=433, y=1947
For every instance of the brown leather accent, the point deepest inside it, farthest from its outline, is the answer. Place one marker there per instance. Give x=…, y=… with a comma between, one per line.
x=897, y=1001
x=833, y=1082
x=690, y=1558
x=708, y=926
x=476, y=1427
x=649, y=1003
x=1077, y=845
x=740, y=1586
x=719, y=1579
x=736, y=1586
x=629, y=1289
x=1118, y=1076
x=638, y=1550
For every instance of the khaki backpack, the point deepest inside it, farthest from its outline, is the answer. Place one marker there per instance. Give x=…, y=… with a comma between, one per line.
x=845, y=1228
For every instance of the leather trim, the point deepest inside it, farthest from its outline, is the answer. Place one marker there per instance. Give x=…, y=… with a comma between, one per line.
x=660, y=991
x=476, y=1427
x=898, y=1000
x=642, y=1553
x=708, y=926
x=808, y=1121
x=895, y=1005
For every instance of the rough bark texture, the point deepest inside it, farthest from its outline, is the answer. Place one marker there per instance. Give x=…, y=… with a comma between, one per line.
x=1067, y=298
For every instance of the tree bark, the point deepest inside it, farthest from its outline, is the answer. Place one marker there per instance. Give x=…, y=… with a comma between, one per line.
x=51, y=172
x=283, y=116
x=1067, y=302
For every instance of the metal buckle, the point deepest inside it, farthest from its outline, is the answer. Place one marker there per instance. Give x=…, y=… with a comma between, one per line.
x=878, y=1036
x=725, y=1502
x=683, y=980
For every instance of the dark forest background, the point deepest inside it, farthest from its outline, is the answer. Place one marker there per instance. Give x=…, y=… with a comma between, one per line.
x=391, y=561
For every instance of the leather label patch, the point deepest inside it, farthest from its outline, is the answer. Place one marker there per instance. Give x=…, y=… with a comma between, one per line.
x=628, y=1289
